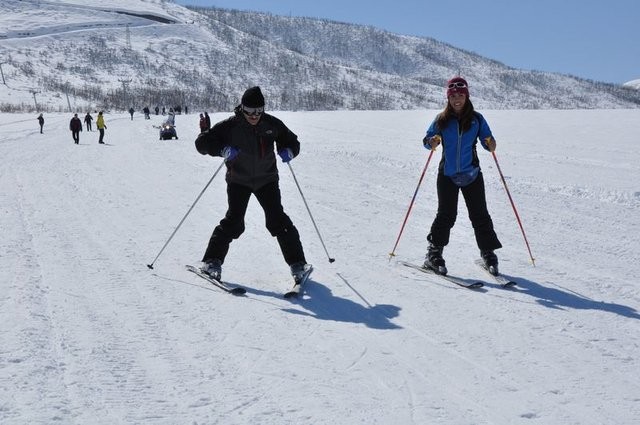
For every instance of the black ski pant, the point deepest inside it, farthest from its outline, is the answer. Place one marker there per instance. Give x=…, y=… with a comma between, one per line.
x=474, y=197
x=100, y=140
x=76, y=136
x=277, y=222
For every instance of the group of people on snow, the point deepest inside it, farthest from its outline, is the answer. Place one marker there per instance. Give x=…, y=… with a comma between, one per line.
x=75, y=126
x=247, y=140
x=145, y=111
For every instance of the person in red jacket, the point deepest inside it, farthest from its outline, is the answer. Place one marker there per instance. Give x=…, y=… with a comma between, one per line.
x=246, y=142
x=75, y=125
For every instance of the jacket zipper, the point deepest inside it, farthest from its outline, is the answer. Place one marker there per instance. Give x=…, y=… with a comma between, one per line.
x=459, y=152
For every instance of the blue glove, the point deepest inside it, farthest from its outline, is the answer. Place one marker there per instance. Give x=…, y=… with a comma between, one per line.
x=286, y=154
x=229, y=153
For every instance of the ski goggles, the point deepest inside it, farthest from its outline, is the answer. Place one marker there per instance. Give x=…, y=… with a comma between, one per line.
x=252, y=112
x=457, y=85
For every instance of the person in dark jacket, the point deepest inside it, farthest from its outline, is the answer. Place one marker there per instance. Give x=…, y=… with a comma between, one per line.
x=75, y=125
x=131, y=111
x=41, y=122
x=246, y=142
x=203, y=124
x=207, y=119
x=458, y=127
x=87, y=120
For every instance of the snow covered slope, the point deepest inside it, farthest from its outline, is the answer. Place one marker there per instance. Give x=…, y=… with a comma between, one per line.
x=90, y=335
x=633, y=83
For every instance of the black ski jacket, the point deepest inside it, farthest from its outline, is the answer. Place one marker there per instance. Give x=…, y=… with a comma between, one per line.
x=255, y=164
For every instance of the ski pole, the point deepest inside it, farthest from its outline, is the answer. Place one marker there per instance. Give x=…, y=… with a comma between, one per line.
x=533, y=261
x=331, y=260
x=185, y=216
x=393, y=252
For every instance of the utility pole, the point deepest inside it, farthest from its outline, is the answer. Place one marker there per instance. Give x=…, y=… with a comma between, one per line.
x=128, y=38
x=2, y=73
x=33, y=92
x=125, y=85
x=66, y=92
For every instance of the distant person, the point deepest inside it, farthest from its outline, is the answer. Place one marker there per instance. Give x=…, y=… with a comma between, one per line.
x=41, y=122
x=208, y=119
x=146, y=113
x=75, y=125
x=458, y=128
x=131, y=111
x=186, y=110
x=157, y=110
x=164, y=111
x=101, y=127
x=87, y=120
x=246, y=141
x=203, y=124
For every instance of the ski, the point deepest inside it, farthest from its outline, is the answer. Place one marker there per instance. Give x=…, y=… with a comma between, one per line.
x=499, y=278
x=296, y=289
x=453, y=279
x=234, y=290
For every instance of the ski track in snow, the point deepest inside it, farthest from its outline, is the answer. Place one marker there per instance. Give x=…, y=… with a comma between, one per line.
x=90, y=335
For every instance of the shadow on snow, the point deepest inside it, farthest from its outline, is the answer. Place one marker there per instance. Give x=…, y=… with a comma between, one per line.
x=319, y=302
x=561, y=298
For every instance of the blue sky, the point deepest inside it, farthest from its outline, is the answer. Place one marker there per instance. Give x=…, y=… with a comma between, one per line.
x=590, y=39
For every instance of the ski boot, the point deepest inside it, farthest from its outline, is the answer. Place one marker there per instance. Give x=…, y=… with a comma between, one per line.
x=299, y=270
x=434, y=260
x=213, y=268
x=490, y=260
